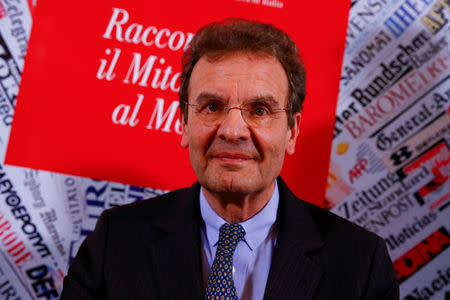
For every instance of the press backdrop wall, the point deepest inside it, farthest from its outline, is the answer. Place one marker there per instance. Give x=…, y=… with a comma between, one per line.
x=389, y=159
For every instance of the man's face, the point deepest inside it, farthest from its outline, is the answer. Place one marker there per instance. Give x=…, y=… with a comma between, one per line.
x=233, y=156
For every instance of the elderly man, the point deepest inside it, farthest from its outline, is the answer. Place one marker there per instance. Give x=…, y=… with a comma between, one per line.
x=239, y=233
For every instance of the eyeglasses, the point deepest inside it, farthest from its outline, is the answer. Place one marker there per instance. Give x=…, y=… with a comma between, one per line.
x=255, y=114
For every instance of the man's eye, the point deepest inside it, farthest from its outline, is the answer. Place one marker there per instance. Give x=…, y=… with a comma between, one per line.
x=209, y=107
x=212, y=107
x=261, y=111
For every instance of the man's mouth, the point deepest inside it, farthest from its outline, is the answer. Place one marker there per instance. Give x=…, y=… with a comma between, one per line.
x=232, y=157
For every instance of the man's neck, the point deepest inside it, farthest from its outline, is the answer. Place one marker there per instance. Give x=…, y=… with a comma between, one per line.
x=237, y=208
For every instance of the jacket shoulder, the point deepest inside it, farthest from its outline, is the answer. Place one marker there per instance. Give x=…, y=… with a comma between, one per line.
x=161, y=210
x=146, y=206
x=349, y=249
x=333, y=227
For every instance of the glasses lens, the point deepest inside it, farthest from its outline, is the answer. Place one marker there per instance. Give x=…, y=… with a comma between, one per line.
x=254, y=114
x=210, y=113
x=257, y=115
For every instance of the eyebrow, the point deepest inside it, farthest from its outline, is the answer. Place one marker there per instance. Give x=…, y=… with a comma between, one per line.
x=203, y=96
x=268, y=99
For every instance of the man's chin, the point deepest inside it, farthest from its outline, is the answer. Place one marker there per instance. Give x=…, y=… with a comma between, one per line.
x=232, y=184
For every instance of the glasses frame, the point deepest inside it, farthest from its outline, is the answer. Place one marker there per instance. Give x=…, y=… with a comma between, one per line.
x=241, y=108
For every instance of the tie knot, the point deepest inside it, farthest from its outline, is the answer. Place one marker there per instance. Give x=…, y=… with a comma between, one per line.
x=231, y=234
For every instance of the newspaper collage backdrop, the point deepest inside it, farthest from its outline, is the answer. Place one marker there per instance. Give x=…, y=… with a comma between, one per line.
x=128, y=50
x=389, y=164
x=390, y=159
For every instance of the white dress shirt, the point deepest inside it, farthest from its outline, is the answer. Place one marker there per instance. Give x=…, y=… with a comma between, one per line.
x=253, y=255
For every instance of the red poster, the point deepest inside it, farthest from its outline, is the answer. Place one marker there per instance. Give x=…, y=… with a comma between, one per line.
x=99, y=94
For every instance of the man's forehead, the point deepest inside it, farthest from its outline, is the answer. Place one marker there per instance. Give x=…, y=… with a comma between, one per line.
x=239, y=56
x=255, y=74
x=223, y=55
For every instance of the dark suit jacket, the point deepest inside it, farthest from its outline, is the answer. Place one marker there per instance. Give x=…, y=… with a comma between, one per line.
x=151, y=250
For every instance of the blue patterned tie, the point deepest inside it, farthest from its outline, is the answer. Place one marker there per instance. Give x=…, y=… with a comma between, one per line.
x=220, y=284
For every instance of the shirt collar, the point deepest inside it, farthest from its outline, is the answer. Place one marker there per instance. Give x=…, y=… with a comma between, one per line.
x=256, y=228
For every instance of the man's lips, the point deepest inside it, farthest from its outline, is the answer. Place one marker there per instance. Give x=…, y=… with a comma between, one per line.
x=232, y=157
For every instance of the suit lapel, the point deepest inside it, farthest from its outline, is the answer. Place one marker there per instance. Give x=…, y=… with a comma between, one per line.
x=295, y=270
x=175, y=255
x=174, y=249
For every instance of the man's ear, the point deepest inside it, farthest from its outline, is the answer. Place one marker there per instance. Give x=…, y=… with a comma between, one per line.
x=293, y=134
x=185, y=134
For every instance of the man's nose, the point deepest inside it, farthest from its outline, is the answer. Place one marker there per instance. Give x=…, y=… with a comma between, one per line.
x=234, y=127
